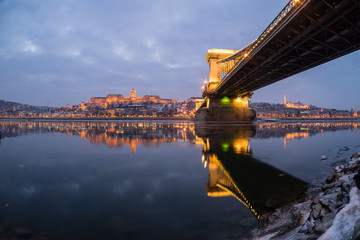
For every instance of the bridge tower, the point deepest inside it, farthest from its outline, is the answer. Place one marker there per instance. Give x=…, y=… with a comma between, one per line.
x=232, y=109
x=215, y=69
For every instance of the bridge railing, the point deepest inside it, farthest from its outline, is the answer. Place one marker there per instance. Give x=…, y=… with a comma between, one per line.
x=237, y=54
x=246, y=51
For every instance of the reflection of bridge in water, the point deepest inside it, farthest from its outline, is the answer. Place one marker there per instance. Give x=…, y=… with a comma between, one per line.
x=117, y=134
x=305, y=34
x=226, y=151
x=234, y=172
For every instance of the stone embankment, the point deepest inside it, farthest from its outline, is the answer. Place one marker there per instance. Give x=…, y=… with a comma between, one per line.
x=330, y=212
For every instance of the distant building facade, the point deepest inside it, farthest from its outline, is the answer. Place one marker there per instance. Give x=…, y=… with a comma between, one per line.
x=111, y=99
x=297, y=105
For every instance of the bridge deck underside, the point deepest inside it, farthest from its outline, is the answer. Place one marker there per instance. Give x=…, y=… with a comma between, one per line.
x=322, y=31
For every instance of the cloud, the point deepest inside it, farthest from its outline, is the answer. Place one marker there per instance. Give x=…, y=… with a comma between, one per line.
x=123, y=53
x=73, y=53
x=173, y=65
x=105, y=45
x=65, y=30
x=149, y=42
x=30, y=47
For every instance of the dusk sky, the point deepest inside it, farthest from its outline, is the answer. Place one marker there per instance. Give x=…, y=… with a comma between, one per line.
x=63, y=52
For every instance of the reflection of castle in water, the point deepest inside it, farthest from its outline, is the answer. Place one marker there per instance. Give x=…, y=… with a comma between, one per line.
x=292, y=131
x=112, y=134
x=226, y=151
x=234, y=172
x=267, y=130
x=150, y=134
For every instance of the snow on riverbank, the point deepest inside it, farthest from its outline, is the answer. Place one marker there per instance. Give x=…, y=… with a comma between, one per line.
x=344, y=222
x=333, y=212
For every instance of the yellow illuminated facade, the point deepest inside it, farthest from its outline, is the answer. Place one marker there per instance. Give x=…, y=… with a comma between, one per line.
x=295, y=105
x=355, y=112
x=215, y=69
x=120, y=99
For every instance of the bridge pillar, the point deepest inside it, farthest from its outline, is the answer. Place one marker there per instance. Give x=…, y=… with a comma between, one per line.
x=226, y=110
x=212, y=57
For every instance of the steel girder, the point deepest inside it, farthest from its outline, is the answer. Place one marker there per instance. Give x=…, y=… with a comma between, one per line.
x=320, y=32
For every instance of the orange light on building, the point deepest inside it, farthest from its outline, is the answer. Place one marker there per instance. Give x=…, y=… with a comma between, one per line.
x=295, y=105
x=292, y=105
x=238, y=100
x=355, y=112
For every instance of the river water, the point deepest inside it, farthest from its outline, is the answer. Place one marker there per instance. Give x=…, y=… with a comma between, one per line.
x=159, y=180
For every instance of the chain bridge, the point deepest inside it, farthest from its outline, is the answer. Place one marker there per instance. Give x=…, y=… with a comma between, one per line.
x=305, y=34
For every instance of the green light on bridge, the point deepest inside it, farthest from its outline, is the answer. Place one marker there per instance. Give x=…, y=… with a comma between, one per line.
x=225, y=101
x=225, y=146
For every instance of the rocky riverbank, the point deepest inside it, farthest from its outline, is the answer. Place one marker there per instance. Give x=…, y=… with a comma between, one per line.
x=329, y=212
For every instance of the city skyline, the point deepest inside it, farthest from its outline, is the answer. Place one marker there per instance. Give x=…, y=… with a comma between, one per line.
x=62, y=53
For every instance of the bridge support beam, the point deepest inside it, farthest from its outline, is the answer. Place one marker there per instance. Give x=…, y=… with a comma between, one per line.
x=226, y=110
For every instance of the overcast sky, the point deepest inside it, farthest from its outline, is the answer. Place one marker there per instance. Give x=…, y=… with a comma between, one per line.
x=63, y=52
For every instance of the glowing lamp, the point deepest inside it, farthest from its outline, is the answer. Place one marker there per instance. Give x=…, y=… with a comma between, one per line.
x=225, y=101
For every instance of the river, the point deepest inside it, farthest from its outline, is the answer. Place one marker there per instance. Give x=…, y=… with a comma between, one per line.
x=159, y=180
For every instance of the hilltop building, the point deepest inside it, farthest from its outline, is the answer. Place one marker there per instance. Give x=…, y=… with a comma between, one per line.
x=111, y=99
x=297, y=105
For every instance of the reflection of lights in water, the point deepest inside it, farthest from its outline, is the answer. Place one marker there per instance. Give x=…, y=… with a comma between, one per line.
x=225, y=146
x=295, y=135
x=222, y=185
x=241, y=146
x=117, y=134
x=111, y=134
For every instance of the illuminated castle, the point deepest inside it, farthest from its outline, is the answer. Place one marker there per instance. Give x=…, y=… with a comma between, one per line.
x=118, y=99
x=297, y=105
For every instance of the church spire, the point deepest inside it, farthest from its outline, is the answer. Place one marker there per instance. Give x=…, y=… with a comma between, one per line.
x=355, y=112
